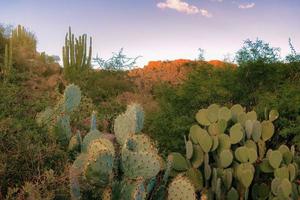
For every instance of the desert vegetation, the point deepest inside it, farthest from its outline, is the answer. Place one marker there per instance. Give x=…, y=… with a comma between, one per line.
x=91, y=128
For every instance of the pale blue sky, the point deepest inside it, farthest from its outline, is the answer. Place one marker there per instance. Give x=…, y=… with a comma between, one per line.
x=158, y=29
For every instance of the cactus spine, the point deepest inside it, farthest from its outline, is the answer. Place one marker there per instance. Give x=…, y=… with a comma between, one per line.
x=75, y=51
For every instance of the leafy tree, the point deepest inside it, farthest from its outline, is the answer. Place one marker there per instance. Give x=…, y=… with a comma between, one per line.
x=257, y=50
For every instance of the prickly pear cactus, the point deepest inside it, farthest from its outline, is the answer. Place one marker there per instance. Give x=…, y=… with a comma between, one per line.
x=129, y=123
x=126, y=172
x=181, y=188
x=57, y=119
x=227, y=147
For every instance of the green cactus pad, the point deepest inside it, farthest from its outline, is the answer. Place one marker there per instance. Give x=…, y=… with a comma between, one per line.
x=251, y=116
x=207, y=167
x=232, y=194
x=101, y=144
x=215, y=143
x=133, y=190
x=292, y=172
x=227, y=177
x=285, y=188
x=282, y=172
x=205, y=141
x=236, y=110
x=252, y=155
x=226, y=158
x=283, y=148
x=256, y=131
x=261, y=148
x=189, y=149
x=236, y=133
x=275, y=185
x=129, y=123
x=123, y=128
x=249, y=128
x=72, y=97
x=92, y=135
x=63, y=129
x=201, y=117
x=273, y=115
x=179, y=163
x=266, y=167
x=224, y=114
x=222, y=124
x=245, y=174
x=251, y=144
x=198, y=156
x=98, y=169
x=246, y=178
x=267, y=130
x=275, y=159
x=214, y=129
x=287, y=157
x=196, y=178
x=242, y=118
x=140, y=164
x=212, y=113
x=224, y=142
x=241, y=154
x=181, y=188
x=195, y=130
x=144, y=143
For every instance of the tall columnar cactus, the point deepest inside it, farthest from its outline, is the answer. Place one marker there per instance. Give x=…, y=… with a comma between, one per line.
x=228, y=146
x=57, y=119
x=24, y=38
x=76, y=53
x=8, y=56
x=127, y=172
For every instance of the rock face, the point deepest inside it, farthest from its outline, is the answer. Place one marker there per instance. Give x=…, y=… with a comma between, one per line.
x=173, y=72
x=220, y=64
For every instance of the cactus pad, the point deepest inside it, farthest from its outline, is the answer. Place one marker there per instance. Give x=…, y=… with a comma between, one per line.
x=267, y=130
x=236, y=133
x=275, y=158
x=273, y=115
x=181, y=188
x=179, y=163
x=226, y=158
x=201, y=117
x=72, y=97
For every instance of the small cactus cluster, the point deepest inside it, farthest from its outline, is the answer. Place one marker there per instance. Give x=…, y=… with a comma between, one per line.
x=57, y=119
x=226, y=153
x=125, y=169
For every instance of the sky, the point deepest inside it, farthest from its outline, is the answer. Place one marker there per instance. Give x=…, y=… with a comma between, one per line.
x=158, y=29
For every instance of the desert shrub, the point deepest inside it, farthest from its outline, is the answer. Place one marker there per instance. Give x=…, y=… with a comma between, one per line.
x=204, y=85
